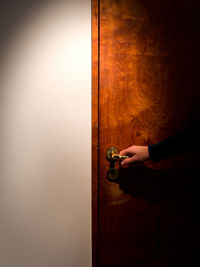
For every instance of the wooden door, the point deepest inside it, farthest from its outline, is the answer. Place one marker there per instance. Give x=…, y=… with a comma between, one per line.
x=145, y=89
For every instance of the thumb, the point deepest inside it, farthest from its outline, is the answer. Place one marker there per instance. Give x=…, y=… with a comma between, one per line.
x=123, y=152
x=129, y=160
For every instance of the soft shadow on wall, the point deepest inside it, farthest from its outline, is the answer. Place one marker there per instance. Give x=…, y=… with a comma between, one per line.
x=45, y=77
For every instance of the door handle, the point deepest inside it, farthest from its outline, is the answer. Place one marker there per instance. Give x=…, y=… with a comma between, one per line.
x=112, y=155
x=119, y=157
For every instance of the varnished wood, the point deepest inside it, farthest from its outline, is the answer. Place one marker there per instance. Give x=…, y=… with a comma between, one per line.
x=148, y=85
x=95, y=81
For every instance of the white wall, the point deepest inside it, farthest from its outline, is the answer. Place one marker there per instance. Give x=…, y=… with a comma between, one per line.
x=45, y=136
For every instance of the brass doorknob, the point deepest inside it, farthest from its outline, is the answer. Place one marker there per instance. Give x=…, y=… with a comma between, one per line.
x=112, y=155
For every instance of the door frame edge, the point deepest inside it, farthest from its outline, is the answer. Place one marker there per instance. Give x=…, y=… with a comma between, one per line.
x=95, y=130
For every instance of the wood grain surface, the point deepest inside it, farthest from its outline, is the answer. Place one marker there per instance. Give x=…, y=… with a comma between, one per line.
x=148, y=91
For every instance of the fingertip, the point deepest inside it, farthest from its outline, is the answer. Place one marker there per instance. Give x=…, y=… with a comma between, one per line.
x=124, y=162
x=122, y=152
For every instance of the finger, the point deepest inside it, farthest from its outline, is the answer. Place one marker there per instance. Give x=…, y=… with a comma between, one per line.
x=122, y=152
x=128, y=161
x=124, y=166
x=125, y=152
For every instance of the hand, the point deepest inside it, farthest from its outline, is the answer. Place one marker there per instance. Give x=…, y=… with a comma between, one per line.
x=136, y=154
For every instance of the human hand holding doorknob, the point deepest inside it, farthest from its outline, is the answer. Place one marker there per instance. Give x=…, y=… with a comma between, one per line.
x=135, y=153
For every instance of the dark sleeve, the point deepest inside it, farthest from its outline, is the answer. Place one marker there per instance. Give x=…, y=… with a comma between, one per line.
x=183, y=142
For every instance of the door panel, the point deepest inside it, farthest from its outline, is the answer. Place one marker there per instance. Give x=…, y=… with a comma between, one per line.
x=147, y=92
